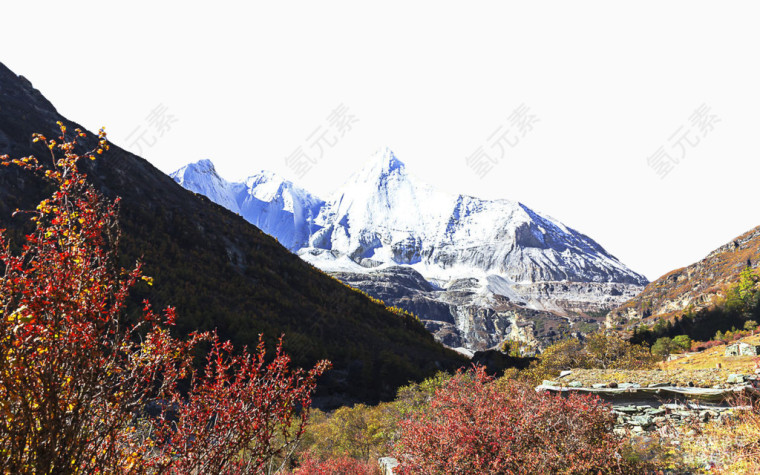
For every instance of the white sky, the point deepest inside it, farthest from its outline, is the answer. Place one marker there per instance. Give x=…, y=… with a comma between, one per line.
x=609, y=84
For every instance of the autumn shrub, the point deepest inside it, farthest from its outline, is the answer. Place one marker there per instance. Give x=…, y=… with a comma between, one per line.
x=732, y=335
x=341, y=465
x=364, y=432
x=610, y=351
x=557, y=357
x=600, y=351
x=476, y=425
x=704, y=345
x=82, y=391
x=360, y=432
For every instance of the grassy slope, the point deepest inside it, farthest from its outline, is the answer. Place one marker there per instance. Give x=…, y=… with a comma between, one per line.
x=710, y=357
x=698, y=285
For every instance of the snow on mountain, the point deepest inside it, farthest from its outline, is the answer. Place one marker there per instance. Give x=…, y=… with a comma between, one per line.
x=271, y=203
x=201, y=177
x=384, y=215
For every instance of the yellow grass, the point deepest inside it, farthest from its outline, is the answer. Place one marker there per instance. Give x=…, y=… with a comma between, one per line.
x=729, y=447
x=709, y=359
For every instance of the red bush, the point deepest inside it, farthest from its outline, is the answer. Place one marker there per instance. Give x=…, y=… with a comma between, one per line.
x=704, y=345
x=476, y=425
x=310, y=465
x=75, y=380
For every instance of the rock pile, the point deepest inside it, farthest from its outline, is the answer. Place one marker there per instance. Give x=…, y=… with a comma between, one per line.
x=666, y=419
x=670, y=403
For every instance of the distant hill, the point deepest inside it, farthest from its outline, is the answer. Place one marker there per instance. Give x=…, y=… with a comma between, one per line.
x=222, y=272
x=696, y=290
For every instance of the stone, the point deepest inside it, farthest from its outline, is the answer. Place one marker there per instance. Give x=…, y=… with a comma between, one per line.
x=562, y=374
x=704, y=416
x=387, y=464
x=627, y=409
x=629, y=385
x=575, y=384
x=735, y=379
x=643, y=421
x=599, y=385
x=742, y=349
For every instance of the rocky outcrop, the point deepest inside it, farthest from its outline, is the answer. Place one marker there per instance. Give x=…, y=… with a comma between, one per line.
x=473, y=314
x=655, y=405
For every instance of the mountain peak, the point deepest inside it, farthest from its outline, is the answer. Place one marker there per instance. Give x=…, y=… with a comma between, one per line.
x=201, y=177
x=382, y=164
x=202, y=170
x=201, y=167
x=265, y=176
x=387, y=159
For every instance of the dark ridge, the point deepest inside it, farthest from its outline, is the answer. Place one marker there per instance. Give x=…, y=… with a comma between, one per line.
x=222, y=272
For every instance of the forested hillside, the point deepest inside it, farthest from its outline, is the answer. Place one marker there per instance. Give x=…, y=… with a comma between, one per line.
x=220, y=271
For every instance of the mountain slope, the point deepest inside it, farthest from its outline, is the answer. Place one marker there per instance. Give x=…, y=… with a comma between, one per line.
x=697, y=286
x=221, y=272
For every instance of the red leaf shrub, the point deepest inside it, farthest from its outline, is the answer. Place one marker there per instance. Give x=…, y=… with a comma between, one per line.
x=311, y=465
x=704, y=345
x=239, y=415
x=476, y=425
x=75, y=381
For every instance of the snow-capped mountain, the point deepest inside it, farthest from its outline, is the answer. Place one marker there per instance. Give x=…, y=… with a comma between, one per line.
x=385, y=215
x=201, y=178
x=273, y=204
x=488, y=263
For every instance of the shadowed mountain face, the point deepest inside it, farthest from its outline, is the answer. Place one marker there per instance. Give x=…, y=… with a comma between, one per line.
x=222, y=272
